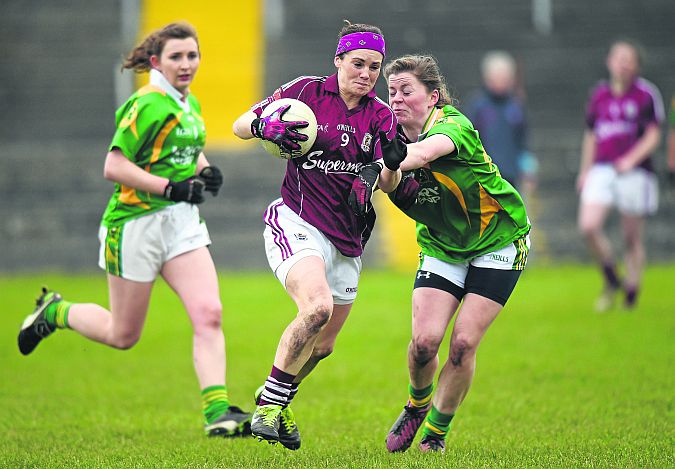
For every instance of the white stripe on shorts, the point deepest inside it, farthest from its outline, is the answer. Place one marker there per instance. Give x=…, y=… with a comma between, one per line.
x=272, y=220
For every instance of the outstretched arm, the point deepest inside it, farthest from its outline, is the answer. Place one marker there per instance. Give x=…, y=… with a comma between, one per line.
x=389, y=179
x=420, y=154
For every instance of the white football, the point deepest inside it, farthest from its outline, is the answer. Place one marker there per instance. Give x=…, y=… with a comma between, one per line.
x=298, y=111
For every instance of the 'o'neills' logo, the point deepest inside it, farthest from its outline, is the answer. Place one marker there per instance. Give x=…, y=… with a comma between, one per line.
x=330, y=166
x=346, y=128
x=499, y=258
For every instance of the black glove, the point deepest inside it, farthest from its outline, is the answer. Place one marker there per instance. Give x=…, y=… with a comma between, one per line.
x=213, y=179
x=363, y=187
x=187, y=190
x=394, y=152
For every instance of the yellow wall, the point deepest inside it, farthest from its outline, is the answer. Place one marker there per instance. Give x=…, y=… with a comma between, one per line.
x=231, y=41
x=396, y=233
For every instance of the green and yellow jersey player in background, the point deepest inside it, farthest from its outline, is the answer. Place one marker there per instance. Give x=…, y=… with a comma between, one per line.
x=152, y=226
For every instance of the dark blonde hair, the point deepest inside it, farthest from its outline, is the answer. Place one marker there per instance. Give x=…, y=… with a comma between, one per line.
x=425, y=68
x=139, y=58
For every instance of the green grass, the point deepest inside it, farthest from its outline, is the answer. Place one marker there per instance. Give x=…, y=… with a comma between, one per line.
x=556, y=385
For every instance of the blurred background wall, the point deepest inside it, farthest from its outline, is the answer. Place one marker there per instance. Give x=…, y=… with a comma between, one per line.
x=60, y=85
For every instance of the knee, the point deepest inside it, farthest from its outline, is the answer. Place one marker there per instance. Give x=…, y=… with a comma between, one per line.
x=424, y=349
x=317, y=316
x=124, y=341
x=588, y=229
x=632, y=241
x=462, y=349
x=207, y=316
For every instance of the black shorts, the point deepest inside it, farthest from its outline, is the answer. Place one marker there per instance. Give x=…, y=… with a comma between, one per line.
x=494, y=284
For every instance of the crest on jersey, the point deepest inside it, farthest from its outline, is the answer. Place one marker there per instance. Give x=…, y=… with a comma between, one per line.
x=630, y=109
x=367, y=140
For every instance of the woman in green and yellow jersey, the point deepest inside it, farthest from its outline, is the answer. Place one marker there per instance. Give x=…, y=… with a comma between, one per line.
x=152, y=225
x=472, y=229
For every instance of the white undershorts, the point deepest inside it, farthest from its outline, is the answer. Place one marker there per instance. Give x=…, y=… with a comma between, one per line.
x=139, y=248
x=289, y=238
x=510, y=257
x=634, y=192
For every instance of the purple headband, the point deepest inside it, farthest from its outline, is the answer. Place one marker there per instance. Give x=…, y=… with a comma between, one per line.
x=360, y=40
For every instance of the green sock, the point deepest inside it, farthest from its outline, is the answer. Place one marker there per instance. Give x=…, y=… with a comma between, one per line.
x=56, y=314
x=214, y=402
x=420, y=397
x=437, y=424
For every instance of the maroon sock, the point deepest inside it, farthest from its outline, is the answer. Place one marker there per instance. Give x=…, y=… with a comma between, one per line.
x=611, y=278
x=294, y=391
x=277, y=388
x=631, y=296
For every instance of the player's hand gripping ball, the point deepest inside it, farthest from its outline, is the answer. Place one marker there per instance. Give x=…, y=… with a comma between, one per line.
x=290, y=122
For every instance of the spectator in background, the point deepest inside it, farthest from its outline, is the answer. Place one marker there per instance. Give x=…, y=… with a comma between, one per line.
x=623, y=119
x=499, y=116
x=152, y=226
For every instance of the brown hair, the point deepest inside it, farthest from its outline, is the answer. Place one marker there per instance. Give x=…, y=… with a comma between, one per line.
x=139, y=58
x=633, y=44
x=350, y=28
x=425, y=68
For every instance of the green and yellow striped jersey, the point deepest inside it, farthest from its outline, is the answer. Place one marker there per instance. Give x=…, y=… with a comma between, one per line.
x=160, y=135
x=464, y=207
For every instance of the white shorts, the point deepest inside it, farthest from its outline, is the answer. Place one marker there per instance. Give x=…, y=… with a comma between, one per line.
x=634, y=192
x=139, y=248
x=511, y=257
x=289, y=238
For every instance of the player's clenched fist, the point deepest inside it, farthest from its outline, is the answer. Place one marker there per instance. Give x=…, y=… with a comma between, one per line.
x=187, y=190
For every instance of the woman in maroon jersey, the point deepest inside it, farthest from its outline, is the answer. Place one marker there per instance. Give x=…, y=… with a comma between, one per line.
x=313, y=239
x=623, y=120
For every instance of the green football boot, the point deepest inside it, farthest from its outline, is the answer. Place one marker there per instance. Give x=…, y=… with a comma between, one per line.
x=265, y=423
x=289, y=436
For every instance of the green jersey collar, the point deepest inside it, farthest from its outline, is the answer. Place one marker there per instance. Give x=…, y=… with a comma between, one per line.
x=430, y=120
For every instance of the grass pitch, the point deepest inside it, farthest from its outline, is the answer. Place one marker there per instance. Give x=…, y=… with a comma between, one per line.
x=557, y=385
